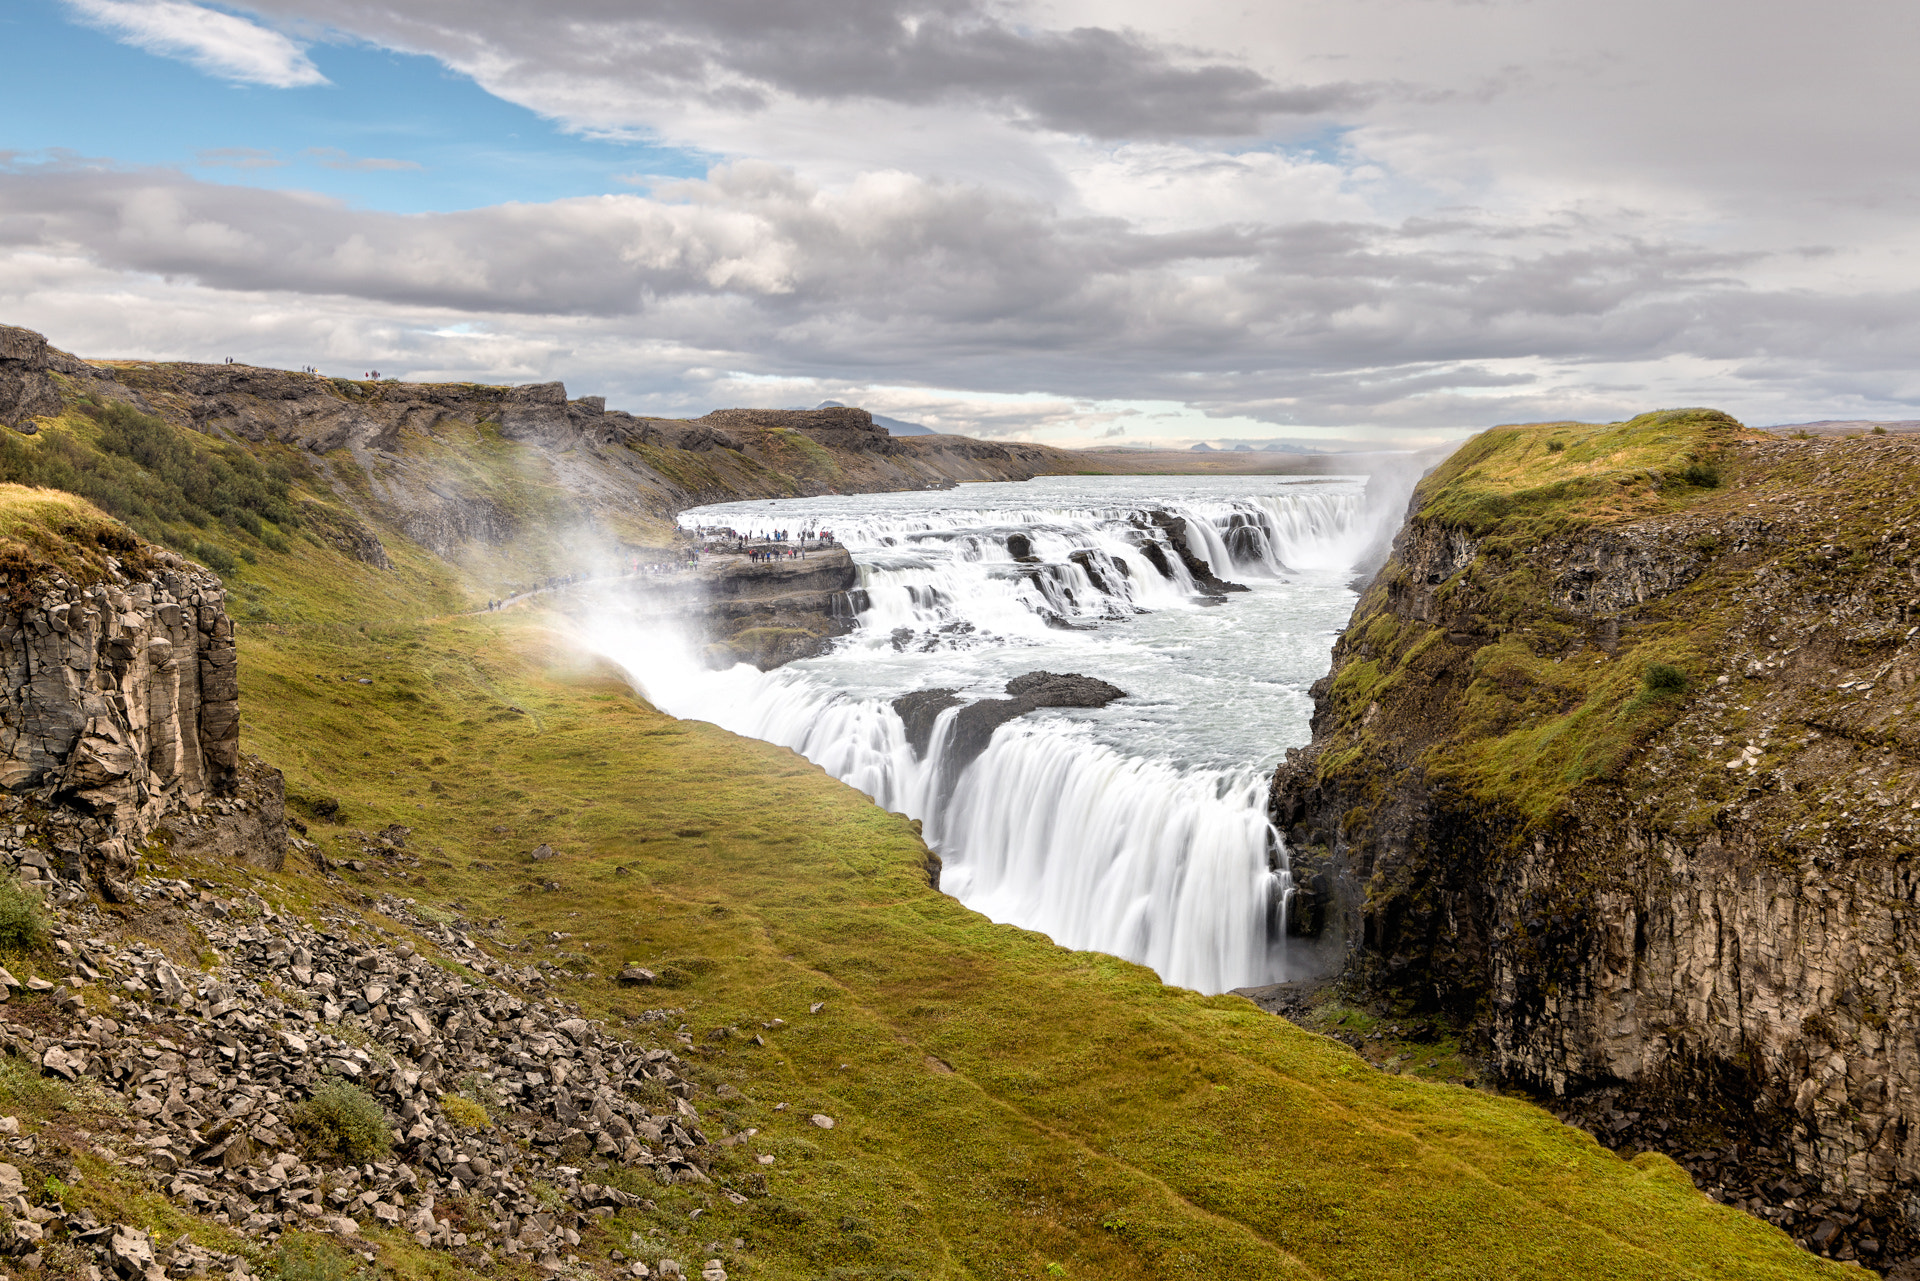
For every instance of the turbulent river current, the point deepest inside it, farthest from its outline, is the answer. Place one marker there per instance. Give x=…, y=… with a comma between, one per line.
x=1137, y=829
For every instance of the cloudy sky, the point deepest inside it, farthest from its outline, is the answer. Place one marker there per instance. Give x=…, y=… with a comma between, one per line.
x=1371, y=220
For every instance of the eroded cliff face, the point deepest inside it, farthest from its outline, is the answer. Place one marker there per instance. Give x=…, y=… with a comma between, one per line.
x=1634, y=794
x=121, y=711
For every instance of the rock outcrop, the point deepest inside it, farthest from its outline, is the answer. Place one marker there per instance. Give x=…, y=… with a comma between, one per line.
x=1174, y=529
x=122, y=697
x=772, y=612
x=616, y=468
x=425, y=460
x=1637, y=802
x=973, y=726
x=120, y=712
x=26, y=389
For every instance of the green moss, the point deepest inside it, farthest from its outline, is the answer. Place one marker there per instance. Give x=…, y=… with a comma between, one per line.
x=1511, y=479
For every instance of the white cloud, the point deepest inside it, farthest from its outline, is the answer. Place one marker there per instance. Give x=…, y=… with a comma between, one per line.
x=237, y=158
x=977, y=310
x=334, y=158
x=220, y=44
x=1016, y=215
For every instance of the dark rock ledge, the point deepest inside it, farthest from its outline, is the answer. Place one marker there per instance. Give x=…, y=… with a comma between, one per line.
x=973, y=727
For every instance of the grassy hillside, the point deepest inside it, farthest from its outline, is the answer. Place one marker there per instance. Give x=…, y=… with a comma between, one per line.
x=1002, y=1107
x=1534, y=725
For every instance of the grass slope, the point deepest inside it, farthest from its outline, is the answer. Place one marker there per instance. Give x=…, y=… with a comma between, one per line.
x=1003, y=1107
x=1537, y=716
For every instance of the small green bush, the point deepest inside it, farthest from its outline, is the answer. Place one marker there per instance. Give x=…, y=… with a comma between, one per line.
x=1703, y=475
x=22, y=923
x=343, y=1120
x=1664, y=678
x=1556, y=446
x=213, y=557
x=23, y=1089
x=465, y=1113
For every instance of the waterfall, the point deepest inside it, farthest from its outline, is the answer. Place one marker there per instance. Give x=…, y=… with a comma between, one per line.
x=1139, y=829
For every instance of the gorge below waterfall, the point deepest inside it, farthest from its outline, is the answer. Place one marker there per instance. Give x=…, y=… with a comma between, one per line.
x=1137, y=829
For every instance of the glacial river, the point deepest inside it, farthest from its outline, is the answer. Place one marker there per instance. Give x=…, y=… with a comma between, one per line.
x=1138, y=829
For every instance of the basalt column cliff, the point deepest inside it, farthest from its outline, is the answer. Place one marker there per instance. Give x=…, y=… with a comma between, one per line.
x=121, y=707
x=1616, y=763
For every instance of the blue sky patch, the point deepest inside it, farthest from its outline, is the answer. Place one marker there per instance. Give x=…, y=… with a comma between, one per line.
x=392, y=131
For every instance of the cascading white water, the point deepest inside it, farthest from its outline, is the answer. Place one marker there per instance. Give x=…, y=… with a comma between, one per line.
x=1138, y=829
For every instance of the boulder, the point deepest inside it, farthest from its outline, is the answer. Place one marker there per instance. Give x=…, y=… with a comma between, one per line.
x=974, y=725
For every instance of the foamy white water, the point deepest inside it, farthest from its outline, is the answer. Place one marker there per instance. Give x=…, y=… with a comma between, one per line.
x=1138, y=829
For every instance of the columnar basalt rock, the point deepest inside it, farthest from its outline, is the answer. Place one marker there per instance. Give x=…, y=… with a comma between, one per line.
x=122, y=696
x=121, y=706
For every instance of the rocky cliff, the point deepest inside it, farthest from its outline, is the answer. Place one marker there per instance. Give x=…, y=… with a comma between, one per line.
x=1616, y=765
x=121, y=702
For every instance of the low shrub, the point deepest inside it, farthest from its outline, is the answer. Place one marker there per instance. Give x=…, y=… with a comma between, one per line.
x=23, y=924
x=23, y=1089
x=214, y=557
x=1664, y=678
x=465, y=1113
x=304, y=1256
x=1702, y=475
x=341, y=1119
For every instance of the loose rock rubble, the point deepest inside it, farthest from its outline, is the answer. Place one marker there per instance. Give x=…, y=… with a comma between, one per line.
x=1754, y=1176
x=210, y=1067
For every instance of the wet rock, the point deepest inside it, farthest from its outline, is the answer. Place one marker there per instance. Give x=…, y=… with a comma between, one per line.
x=1174, y=529
x=973, y=725
x=920, y=710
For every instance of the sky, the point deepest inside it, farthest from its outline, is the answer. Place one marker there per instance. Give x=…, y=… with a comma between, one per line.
x=1375, y=222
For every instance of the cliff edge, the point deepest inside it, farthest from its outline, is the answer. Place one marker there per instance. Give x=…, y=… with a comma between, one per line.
x=1616, y=766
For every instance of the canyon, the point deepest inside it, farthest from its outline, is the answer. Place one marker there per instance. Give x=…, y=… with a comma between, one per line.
x=631, y=995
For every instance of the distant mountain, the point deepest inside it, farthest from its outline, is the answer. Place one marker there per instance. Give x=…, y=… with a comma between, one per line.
x=1202, y=448
x=894, y=426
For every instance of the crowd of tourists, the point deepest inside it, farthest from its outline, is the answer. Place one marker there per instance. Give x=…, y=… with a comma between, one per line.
x=762, y=544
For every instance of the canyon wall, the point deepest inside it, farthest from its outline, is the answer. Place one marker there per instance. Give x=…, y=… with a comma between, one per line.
x=120, y=711
x=1616, y=763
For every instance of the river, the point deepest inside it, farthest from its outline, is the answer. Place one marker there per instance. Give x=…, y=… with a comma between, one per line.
x=1138, y=829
